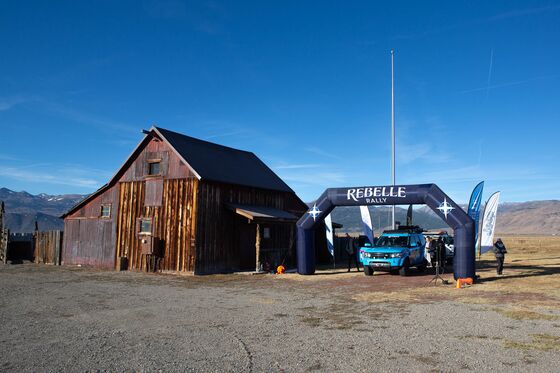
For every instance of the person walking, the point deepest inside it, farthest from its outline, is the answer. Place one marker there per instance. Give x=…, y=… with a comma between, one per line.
x=351, y=251
x=500, y=254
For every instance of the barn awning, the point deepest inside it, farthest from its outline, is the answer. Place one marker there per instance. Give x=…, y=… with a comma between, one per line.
x=262, y=214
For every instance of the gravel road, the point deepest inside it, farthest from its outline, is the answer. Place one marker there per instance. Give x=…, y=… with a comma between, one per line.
x=77, y=319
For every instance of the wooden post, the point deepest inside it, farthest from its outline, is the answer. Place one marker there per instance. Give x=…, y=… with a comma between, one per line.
x=258, y=248
x=58, y=248
x=36, y=254
x=3, y=236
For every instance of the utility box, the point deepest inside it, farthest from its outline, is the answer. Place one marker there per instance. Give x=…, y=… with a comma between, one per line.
x=151, y=245
x=152, y=252
x=147, y=244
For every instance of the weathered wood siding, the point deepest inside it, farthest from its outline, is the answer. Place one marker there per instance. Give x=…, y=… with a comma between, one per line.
x=47, y=246
x=88, y=238
x=172, y=222
x=92, y=240
x=171, y=165
x=218, y=228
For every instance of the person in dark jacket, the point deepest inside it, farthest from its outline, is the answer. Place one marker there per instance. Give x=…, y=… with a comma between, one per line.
x=500, y=254
x=351, y=251
x=442, y=255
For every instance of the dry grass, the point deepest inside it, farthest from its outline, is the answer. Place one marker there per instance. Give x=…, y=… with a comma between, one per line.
x=543, y=342
x=532, y=266
x=428, y=360
x=524, y=314
x=530, y=285
x=528, y=290
x=531, y=243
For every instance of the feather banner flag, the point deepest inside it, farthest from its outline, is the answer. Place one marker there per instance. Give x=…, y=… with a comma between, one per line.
x=409, y=215
x=366, y=220
x=474, y=207
x=489, y=223
x=329, y=230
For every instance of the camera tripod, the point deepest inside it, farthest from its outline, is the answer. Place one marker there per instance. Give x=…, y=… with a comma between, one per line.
x=439, y=271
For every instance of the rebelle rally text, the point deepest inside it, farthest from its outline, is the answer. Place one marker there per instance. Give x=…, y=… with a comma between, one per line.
x=375, y=194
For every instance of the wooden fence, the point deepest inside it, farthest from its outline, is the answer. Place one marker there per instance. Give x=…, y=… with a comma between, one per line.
x=4, y=235
x=48, y=247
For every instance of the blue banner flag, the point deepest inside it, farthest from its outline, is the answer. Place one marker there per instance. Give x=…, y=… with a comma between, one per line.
x=474, y=207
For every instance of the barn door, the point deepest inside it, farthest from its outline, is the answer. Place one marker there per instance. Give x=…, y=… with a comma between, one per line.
x=247, y=241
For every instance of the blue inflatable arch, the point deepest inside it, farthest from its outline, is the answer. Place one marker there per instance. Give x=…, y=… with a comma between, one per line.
x=429, y=194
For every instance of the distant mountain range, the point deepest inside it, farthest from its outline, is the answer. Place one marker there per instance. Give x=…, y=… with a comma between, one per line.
x=24, y=209
x=535, y=217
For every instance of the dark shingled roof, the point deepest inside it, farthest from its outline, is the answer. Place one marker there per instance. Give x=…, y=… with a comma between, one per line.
x=221, y=163
x=209, y=161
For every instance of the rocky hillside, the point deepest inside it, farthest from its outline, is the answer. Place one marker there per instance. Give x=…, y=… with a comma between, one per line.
x=534, y=217
x=24, y=209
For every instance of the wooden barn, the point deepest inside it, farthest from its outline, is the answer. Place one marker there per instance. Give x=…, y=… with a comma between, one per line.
x=183, y=204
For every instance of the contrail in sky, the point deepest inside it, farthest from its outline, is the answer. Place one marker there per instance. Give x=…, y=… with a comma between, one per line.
x=489, y=72
x=509, y=84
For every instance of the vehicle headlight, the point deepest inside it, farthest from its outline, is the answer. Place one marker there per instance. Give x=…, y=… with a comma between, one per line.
x=396, y=255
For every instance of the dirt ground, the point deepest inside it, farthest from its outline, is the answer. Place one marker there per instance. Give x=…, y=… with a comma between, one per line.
x=77, y=319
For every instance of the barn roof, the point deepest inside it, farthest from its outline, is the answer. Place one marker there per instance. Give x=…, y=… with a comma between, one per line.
x=221, y=163
x=261, y=213
x=208, y=161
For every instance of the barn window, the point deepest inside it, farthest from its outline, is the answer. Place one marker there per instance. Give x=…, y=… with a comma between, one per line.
x=145, y=226
x=266, y=232
x=105, y=211
x=154, y=168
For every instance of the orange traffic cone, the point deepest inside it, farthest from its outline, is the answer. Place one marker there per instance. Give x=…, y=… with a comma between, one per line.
x=464, y=281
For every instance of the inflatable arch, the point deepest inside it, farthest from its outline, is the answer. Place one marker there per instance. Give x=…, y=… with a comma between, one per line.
x=429, y=194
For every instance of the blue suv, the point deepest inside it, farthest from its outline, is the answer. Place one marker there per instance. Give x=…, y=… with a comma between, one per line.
x=395, y=251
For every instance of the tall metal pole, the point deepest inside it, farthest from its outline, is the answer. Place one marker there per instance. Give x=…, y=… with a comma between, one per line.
x=393, y=125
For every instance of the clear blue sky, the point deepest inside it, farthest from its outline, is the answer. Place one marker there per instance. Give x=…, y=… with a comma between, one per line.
x=304, y=85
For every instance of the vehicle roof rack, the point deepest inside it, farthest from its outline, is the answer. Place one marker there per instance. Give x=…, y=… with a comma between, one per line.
x=435, y=233
x=405, y=229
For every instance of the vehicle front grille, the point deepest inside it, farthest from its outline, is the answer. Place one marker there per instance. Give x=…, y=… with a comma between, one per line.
x=377, y=255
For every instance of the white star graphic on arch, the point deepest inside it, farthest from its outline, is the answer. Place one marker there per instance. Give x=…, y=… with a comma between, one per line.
x=314, y=212
x=445, y=208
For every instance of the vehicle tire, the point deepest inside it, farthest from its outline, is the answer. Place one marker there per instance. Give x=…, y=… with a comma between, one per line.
x=405, y=269
x=368, y=271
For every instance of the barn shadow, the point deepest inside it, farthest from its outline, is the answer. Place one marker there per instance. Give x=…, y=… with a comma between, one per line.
x=20, y=249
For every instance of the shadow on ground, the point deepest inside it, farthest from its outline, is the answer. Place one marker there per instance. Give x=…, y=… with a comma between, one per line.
x=527, y=271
